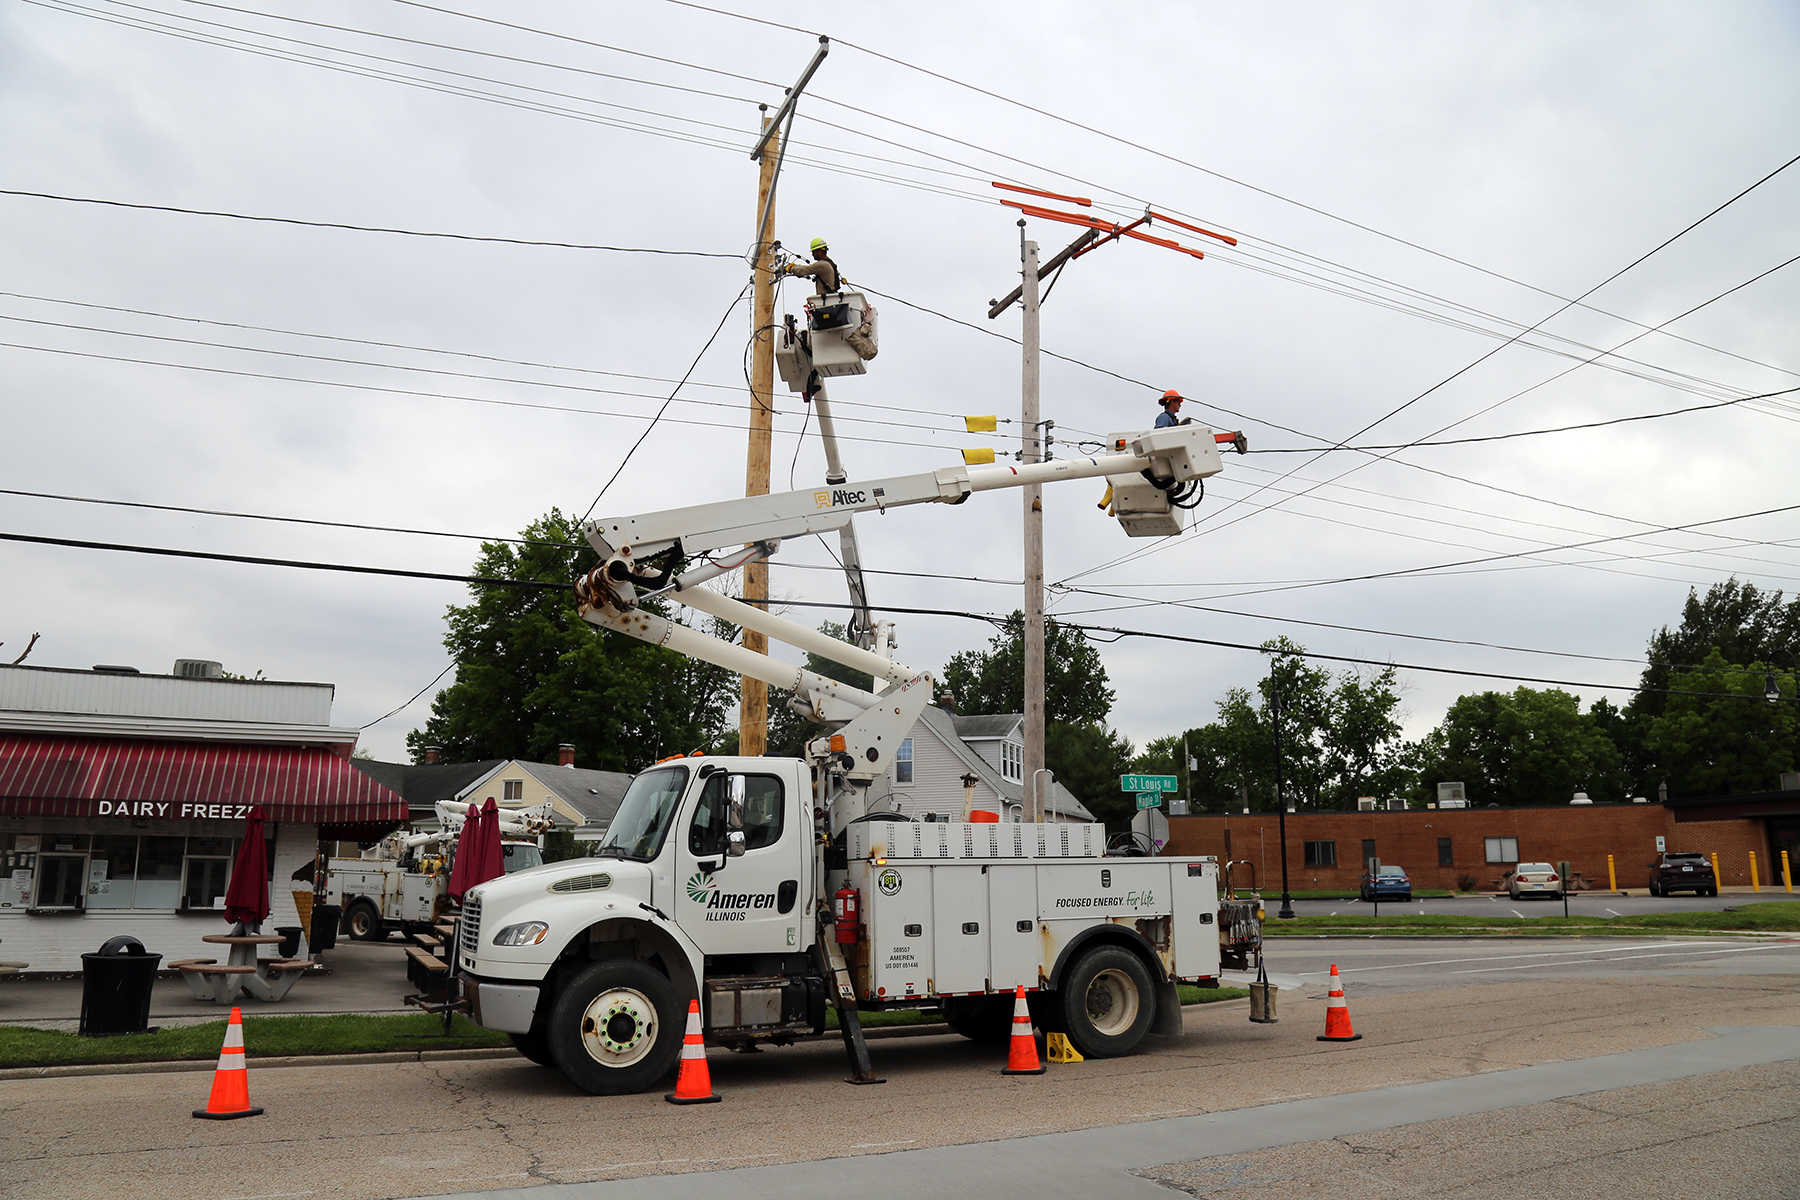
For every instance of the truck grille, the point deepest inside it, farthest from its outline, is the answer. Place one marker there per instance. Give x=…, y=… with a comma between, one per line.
x=468, y=929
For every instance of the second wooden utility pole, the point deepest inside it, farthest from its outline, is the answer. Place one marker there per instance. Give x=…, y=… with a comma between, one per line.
x=753, y=710
x=1034, y=541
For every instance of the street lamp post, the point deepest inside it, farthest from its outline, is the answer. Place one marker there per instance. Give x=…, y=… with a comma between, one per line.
x=1772, y=693
x=1287, y=904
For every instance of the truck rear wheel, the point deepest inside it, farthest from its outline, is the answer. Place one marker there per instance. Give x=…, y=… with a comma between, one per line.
x=1107, y=1003
x=616, y=1028
x=984, y=1019
x=364, y=923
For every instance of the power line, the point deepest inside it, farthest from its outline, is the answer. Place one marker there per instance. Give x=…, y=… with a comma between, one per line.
x=461, y=237
x=989, y=618
x=384, y=716
x=1503, y=437
x=665, y=407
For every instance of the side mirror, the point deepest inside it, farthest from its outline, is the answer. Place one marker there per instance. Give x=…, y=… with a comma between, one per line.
x=734, y=814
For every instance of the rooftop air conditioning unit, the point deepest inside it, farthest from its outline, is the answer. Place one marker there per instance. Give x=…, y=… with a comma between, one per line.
x=198, y=668
x=1451, y=791
x=1396, y=804
x=1365, y=804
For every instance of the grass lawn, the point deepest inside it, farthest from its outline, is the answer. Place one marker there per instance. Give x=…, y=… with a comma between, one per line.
x=275, y=1037
x=264, y=1037
x=1771, y=916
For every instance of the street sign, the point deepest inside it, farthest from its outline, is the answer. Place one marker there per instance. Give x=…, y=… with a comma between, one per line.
x=1149, y=799
x=1146, y=783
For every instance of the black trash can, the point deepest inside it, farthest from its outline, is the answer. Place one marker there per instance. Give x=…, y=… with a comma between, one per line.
x=325, y=920
x=290, y=940
x=115, y=988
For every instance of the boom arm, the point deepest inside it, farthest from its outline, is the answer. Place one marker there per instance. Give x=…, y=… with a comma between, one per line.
x=642, y=555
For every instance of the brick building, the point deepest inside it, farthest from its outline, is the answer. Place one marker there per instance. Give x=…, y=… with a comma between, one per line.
x=1439, y=847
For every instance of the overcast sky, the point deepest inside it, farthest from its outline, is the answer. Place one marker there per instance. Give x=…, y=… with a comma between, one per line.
x=1413, y=186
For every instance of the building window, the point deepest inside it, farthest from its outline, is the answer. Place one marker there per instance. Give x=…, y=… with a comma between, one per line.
x=1321, y=854
x=1368, y=850
x=1502, y=850
x=1012, y=760
x=903, y=762
x=1445, y=859
x=512, y=789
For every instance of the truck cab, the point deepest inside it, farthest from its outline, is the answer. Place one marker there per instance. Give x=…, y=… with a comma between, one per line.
x=703, y=888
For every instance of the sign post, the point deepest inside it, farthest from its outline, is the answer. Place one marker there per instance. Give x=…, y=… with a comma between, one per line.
x=1149, y=791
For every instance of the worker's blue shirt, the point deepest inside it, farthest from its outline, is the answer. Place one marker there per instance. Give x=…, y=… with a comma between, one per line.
x=1166, y=419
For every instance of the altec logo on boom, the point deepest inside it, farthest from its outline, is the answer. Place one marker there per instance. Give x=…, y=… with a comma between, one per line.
x=724, y=906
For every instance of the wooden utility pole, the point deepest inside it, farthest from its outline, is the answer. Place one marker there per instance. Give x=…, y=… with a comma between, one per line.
x=1034, y=541
x=753, y=711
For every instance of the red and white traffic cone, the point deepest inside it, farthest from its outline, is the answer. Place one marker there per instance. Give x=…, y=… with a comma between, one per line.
x=231, y=1083
x=694, y=1083
x=1021, y=1050
x=1337, y=1013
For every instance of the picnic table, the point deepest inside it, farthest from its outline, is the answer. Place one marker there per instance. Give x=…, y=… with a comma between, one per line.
x=267, y=979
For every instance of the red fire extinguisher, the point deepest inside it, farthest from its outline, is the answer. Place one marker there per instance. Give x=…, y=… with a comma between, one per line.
x=849, y=915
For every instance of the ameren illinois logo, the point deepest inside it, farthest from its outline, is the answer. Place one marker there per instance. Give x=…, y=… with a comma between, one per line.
x=703, y=889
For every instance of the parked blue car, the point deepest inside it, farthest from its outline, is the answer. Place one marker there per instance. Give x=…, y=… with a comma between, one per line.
x=1388, y=883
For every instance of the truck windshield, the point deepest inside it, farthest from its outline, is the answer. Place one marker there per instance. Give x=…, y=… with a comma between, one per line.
x=644, y=815
x=519, y=855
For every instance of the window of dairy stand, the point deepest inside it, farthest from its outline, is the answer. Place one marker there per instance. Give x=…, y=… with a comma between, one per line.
x=124, y=798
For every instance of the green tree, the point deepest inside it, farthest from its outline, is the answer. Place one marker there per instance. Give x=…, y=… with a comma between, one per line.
x=1717, y=735
x=1520, y=747
x=1339, y=739
x=531, y=674
x=1088, y=758
x=993, y=680
x=1746, y=625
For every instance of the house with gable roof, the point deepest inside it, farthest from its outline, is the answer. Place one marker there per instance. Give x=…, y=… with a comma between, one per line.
x=942, y=748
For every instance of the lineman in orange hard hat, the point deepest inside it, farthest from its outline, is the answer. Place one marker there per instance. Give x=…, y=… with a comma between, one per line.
x=1171, y=409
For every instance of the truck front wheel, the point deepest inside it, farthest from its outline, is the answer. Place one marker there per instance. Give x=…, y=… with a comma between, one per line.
x=1107, y=1002
x=365, y=923
x=616, y=1028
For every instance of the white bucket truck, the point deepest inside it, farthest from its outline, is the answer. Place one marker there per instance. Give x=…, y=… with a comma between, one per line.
x=402, y=885
x=768, y=888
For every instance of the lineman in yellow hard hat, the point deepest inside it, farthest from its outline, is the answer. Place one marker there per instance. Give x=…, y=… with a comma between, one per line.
x=824, y=272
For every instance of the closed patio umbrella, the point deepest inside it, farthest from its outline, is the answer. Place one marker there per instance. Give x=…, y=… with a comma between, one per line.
x=468, y=851
x=489, y=862
x=247, y=899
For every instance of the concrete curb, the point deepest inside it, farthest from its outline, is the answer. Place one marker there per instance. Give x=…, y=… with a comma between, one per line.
x=354, y=1060
x=296, y=1060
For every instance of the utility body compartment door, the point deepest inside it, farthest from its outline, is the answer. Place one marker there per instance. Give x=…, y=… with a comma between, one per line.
x=959, y=929
x=897, y=905
x=1015, y=954
x=1196, y=932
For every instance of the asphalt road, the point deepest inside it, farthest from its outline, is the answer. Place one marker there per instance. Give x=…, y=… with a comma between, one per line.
x=1414, y=964
x=1446, y=1034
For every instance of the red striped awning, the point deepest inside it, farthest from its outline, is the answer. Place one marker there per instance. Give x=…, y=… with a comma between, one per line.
x=45, y=775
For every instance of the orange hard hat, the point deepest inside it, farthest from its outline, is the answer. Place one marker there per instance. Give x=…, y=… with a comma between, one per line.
x=1172, y=395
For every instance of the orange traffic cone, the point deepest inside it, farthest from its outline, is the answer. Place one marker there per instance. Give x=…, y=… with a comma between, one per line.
x=1337, y=1013
x=231, y=1083
x=1021, y=1052
x=694, y=1084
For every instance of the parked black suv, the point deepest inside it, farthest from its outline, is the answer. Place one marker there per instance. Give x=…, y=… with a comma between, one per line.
x=1682, y=873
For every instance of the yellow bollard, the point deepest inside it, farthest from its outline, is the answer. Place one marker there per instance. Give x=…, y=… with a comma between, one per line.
x=1612, y=880
x=1754, y=885
x=1787, y=873
x=1718, y=879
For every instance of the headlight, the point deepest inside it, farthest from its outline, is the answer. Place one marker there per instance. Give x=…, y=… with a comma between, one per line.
x=528, y=934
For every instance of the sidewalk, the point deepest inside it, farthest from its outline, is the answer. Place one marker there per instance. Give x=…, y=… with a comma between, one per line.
x=361, y=977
